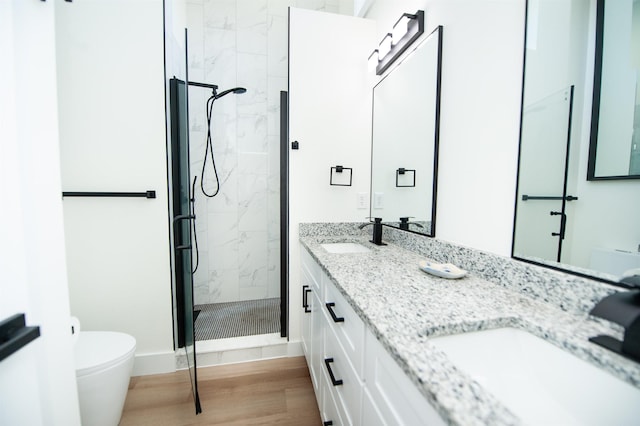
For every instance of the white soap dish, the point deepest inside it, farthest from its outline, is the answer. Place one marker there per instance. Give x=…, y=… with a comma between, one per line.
x=443, y=270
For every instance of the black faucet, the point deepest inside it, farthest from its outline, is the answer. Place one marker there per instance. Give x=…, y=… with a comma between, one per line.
x=622, y=308
x=404, y=223
x=377, y=230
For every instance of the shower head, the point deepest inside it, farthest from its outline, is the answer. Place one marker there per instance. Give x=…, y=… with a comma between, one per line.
x=236, y=90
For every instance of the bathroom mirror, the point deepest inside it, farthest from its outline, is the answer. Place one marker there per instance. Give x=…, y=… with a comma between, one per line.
x=615, y=124
x=406, y=104
x=563, y=219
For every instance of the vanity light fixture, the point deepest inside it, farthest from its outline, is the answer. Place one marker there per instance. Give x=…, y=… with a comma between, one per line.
x=405, y=31
x=372, y=62
x=385, y=46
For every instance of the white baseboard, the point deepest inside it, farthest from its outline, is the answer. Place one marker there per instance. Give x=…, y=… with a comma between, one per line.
x=155, y=363
x=246, y=349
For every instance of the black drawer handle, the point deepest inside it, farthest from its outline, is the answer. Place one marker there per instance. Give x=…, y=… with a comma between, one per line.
x=328, y=423
x=335, y=382
x=333, y=314
x=304, y=296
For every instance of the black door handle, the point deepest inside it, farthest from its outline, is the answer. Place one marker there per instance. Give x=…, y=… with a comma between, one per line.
x=327, y=363
x=563, y=224
x=333, y=314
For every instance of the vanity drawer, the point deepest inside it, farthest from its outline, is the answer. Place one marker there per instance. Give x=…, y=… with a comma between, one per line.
x=346, y=325
x=330, y=412
x=348, y=394
x=395, y=398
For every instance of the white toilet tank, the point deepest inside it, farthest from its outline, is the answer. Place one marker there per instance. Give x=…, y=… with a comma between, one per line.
x=612, y=261
x=104, y=361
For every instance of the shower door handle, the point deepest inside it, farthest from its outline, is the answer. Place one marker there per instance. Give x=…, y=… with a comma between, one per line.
x=563, y=224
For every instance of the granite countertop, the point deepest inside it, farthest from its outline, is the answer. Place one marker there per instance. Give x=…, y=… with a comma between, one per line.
x=404, y=307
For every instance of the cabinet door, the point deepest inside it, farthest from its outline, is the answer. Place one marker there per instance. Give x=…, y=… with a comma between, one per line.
x=345, y=384
x=306, y=313
x=316, y=342
x=345, y=323
x=396, y=398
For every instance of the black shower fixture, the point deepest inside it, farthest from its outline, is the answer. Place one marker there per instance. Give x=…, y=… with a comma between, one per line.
x=236, y=90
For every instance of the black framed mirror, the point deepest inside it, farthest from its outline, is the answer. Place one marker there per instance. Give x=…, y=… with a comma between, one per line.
x=406, y=124
x=563, y=219
x=614, y=151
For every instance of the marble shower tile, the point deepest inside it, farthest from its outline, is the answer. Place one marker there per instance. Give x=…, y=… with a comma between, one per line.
x=273, y=162
x=252, y=203
x=275, y=86
x=252, y=75
x=273, y=269
x=252, y=133
x=255, y=163
x=252, y=26
x=223, y=285
x=279, y=7
x=253, y=260
x=224, y=132
x=311, y=4
x=222, y=230
x=220, y=14
x=220, y=57
x=196, y=40
x=278, y=46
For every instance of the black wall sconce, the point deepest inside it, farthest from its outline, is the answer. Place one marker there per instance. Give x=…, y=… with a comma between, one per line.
x=405, y=31
x=339, y=169
x=401, y=172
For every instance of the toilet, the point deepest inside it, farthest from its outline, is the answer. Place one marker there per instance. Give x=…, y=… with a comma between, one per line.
x=103, y=361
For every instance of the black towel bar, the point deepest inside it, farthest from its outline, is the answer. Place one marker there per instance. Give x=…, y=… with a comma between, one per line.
x=146, y=194
x=14, y=334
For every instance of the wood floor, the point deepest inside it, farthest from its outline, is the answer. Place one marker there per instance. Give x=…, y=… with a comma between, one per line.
x=257, y=393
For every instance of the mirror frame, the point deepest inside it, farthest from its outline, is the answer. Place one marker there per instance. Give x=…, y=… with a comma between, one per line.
x=595, y=105
x=436, y=137
x=581, y=272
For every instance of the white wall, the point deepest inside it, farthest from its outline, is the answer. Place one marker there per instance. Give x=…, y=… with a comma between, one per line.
x=112, y=133
x=330, y=116
x=37, y=383
x=480, y=114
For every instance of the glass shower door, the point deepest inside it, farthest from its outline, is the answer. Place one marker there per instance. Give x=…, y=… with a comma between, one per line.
x=182, y=224
x=542, y=181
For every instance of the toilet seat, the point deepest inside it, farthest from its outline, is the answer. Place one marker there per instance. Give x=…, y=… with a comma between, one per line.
x=100, y=350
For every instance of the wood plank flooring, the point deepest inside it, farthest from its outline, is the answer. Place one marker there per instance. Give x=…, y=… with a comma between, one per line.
x=268, y=392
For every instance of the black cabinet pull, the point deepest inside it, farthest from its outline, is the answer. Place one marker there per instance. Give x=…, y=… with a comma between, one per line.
x=328, y=423
x=305, y=300
x=304, y=295
x=327, y=362
x=333, y=314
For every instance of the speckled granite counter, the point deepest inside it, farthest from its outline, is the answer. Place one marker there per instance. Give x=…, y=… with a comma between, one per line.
x=404, y=307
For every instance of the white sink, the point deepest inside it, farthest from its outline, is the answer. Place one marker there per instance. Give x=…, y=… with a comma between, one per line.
x=539, y=382
x=345, y=248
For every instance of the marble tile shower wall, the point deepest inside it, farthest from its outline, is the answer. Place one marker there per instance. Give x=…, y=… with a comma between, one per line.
x=239, y=43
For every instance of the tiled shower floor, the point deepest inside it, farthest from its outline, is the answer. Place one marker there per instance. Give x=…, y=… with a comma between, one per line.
x=234, y=319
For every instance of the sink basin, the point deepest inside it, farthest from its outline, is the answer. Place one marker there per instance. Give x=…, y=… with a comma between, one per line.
x=539, y=382
x=345, y=248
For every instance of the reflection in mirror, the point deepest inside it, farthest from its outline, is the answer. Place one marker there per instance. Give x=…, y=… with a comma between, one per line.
x=615, y=125
x=406, y=104
x=564, y=220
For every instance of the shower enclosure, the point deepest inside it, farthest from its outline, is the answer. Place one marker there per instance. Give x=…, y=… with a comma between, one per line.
x=237, y=286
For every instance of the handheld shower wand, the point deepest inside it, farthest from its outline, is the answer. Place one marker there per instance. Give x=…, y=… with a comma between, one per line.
x=209, y=144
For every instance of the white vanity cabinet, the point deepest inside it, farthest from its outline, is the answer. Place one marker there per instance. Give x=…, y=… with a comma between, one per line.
x=356, y=381
x=390, y=397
